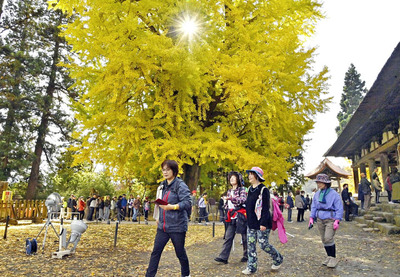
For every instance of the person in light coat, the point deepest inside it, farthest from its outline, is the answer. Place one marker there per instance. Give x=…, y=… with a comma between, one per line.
x=327, y=212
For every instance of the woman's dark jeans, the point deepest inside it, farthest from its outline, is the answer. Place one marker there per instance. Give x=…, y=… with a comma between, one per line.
x=229, y=237
x=203, y=215
x=300, y=215
x=178, y=240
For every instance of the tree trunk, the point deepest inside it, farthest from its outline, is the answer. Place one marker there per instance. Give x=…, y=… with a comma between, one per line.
x=43, y=128
x=191, y=175
x=7, y=133
x=1, y=7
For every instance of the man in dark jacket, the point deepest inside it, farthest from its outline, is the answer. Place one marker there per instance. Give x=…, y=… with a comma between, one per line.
x=92, y=207
x=74, y=207
x=361, y=196
x=290, y=205
x=346, y=201
x=366, y=190
x=69, y=207
x=120, y=209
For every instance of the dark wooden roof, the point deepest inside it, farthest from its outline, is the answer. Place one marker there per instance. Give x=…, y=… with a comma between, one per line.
x=380, y=107
x=329, y=168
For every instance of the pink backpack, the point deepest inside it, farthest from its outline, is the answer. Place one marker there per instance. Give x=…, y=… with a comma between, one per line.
x=276, y=214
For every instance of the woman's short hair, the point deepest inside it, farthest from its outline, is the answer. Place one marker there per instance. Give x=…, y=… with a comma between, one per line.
x=171, y=164
x=236, y=174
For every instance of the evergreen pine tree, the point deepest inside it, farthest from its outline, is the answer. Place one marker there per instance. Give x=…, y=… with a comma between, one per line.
x=18, y=72
x=353, y=92
x=35, y=98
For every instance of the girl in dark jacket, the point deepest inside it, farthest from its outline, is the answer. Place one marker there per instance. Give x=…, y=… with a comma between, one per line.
x=259, y=227
x=172, y=218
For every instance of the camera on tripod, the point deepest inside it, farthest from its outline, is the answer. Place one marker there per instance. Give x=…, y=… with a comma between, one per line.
x=78, y=227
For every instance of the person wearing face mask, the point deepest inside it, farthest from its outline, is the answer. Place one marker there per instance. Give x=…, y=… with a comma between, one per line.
x=235, y=205
x=327, y=211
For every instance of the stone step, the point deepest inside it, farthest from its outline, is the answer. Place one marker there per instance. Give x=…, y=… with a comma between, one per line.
x=385, y=217
x=368, y=216
x=359, y=219
x=396, y=211
x=370, y=223
x=361, y=212
x=386, y=207
x=375, y=208
x=370, y=229
x=387, y=228
x=396, y=220
x=389, y=217
x=377, y=213
x=378, y=219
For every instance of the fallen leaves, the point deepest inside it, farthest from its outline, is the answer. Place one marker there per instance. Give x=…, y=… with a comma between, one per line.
x=95, y=254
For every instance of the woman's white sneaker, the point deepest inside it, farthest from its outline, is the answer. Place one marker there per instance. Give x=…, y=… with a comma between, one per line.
x=275, y=267
x=332, y=262
x=247, y=272
x=326, y=261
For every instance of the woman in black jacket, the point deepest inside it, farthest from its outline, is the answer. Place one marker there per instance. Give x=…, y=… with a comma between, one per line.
x=259, y=226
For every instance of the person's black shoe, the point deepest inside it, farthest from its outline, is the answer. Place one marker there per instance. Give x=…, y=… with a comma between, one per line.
x=218, y=259
x=243, y=260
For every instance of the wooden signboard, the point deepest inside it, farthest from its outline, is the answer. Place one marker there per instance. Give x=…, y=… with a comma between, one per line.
x=3, y=186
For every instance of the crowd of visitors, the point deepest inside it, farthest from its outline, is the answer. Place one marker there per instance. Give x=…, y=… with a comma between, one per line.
x=104, y=208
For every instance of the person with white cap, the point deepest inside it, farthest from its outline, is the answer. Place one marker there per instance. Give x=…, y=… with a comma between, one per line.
x=327, y=210
x=259, y=224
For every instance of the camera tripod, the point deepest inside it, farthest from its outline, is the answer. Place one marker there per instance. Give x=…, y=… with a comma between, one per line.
x=46, y=225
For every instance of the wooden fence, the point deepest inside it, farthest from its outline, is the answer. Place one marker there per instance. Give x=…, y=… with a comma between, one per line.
x=23, y=209
x=32, y=209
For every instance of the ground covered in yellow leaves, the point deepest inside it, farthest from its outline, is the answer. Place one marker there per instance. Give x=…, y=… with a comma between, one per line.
x=95, y=255
x=360, y=253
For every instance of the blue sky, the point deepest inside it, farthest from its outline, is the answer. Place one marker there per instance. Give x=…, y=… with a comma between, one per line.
x=362, y=32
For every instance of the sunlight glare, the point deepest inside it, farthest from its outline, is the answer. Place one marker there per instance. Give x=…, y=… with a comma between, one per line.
x=189, y=27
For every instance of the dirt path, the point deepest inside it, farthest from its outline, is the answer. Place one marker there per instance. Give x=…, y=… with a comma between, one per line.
x=359, y=253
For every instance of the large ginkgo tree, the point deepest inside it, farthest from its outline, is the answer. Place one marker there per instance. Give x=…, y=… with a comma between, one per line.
x=209, y=83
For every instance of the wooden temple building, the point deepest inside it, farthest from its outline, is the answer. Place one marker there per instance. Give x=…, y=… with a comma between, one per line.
x=330, y=169
x=371, y=137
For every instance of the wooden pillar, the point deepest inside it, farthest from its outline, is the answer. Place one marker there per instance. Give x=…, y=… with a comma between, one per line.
x=362, y=168
x=356, y=178
x=371, y=167
x=338, y=182
x=384, y=165
x=397, y=155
